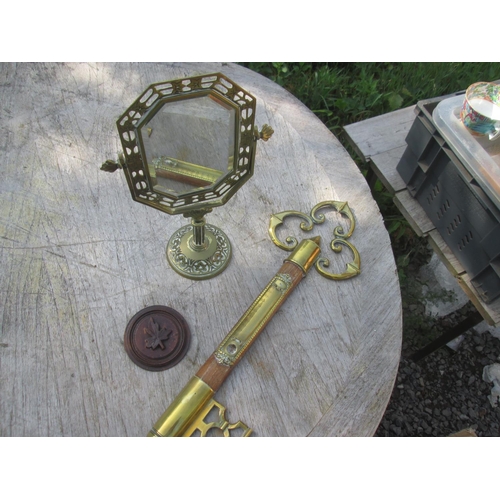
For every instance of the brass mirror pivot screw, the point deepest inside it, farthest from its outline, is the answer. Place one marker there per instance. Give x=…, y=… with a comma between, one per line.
x=265, y=132
x=111, y=166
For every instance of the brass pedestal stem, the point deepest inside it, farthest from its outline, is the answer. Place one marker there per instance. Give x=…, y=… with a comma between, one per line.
x=198, y=243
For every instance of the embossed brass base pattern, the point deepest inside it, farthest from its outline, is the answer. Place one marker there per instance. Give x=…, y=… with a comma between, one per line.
x=199, y=264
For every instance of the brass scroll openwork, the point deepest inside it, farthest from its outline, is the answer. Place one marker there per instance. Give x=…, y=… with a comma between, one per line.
x=339, y=240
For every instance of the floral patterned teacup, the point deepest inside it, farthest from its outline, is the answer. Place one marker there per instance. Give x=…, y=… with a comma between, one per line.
x=481, y=110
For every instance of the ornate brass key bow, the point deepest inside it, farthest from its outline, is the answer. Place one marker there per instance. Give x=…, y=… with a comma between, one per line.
x=339, y=240
x=188, y=414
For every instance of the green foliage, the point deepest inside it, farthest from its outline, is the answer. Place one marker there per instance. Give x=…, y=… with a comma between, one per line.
x=343, y=93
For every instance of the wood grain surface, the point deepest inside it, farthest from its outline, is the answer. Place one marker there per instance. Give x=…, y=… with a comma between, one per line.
x=79, y=258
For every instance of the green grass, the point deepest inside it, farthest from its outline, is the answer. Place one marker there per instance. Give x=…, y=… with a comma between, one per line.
x=344, y=93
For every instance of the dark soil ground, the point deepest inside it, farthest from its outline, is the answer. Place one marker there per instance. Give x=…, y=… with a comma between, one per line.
x=444, y=392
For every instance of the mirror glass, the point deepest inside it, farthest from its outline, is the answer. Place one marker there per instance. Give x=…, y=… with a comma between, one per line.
x=189, y=144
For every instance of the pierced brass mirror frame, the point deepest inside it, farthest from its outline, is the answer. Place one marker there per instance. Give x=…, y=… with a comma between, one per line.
x=149, y=103
x=198, y=251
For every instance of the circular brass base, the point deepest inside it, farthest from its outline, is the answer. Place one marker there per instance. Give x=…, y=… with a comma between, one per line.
x=199, y=263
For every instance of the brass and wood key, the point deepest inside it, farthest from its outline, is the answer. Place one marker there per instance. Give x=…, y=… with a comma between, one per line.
x=187, y=413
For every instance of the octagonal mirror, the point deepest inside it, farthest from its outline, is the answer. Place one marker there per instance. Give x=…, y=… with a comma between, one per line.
x=188, y=146
x=177, y=166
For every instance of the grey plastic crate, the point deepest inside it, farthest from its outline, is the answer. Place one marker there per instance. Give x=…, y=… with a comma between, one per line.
x=465, y=217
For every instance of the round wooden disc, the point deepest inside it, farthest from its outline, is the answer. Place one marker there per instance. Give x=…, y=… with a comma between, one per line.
x=157, y=338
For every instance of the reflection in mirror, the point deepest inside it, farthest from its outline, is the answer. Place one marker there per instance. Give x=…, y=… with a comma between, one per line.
x=189, y=144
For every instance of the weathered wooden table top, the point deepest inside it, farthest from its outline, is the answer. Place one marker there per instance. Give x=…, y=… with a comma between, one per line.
x=79, y=258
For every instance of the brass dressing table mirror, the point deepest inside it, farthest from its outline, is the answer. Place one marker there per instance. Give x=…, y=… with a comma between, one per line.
x=188, y=146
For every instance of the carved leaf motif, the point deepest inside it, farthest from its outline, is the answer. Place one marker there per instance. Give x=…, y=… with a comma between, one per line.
x=156, y=335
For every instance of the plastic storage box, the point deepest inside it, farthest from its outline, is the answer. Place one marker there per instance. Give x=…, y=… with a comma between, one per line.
x=456, y=179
